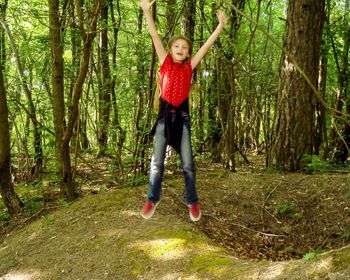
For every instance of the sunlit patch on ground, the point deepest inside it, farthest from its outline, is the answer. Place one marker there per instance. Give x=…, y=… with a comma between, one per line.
x=163, y=249
x=177, y=276
x=21, y=275
x=273, y=272
x=321, y=266
x=130, y=213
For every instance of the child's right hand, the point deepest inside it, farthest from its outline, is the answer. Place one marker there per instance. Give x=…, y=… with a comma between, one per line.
x=146, y=5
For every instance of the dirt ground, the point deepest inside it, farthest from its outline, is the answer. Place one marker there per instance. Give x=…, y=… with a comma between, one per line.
x=265, y=216
x=253, y=215
x=270, y=216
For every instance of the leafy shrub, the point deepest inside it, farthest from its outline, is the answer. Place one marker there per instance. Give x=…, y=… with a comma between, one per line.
x=312, y=163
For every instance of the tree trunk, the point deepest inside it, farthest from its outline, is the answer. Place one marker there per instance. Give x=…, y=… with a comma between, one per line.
x=38, y=153
x=118, y=134
x=342, y=142
x=200, y=78
x=321, y=124
x=64, y=136
x=88, y=37
x=104, y=96
x=57, y=75
x=187, y=22
x=226, y=95
x=170, y=19
x=10, y=198
x=294, y=124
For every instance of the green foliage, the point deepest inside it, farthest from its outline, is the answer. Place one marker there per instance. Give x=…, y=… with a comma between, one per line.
x=283, y=208
x=48, y=220
x=274, y=170
x=345, y=233
x=246, y=203
x=32, y=205
x=2, y=204
x=63, y=202
x=296, y=216
x=31, y=196
x=311, y=255
x=4, y=216
x=312, y=163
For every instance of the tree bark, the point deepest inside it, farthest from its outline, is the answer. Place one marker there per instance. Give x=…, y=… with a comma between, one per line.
x=57, y=81
x=118, y=134
x=38, y=152
x=57, y=75
x=8, y=194
x=104, y=91
x=187, y=22
x=88, y=38
x=170, y=19
x=341, y=142
x=294, y=123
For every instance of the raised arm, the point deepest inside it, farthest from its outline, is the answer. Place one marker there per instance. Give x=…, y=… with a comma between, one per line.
x=157, y=42
x=212, y=38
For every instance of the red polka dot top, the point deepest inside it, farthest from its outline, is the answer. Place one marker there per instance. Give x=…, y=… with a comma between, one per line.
x=175, y=81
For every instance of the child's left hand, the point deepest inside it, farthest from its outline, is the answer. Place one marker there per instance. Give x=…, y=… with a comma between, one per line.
x=222, y=17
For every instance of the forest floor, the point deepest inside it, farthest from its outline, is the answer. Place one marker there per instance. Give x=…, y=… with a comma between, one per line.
x=252, y=222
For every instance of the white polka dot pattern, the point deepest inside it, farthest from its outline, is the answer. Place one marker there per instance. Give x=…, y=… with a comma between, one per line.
x=175, y=81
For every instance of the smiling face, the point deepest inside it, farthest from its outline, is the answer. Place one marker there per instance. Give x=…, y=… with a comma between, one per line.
x=180, y=50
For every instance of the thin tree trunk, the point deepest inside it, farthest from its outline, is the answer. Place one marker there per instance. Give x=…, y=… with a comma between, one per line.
x=104, y=96
x=118, y=133
x=342, y=142
x=57, y=75
x=63, y=136
x=38, y=153
x=88, y=38
x=171, y=19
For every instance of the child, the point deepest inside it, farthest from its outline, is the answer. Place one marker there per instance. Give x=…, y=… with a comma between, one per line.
x=173, y=123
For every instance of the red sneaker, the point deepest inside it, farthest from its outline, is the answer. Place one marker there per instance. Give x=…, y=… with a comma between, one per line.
x=148, y=209
x=195, y=212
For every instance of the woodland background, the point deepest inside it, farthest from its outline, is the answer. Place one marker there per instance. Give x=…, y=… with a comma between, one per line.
x=78, y=81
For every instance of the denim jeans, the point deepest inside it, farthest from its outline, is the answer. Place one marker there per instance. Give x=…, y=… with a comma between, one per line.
x=157, y=163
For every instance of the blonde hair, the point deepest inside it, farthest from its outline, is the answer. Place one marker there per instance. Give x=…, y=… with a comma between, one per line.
x=182, y=37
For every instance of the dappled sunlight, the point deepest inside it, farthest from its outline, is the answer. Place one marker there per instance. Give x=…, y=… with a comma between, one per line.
x=163, y=249
x=22, y=275
x=321, y=266
x=177, y=276
x=288, y=66
x=3, y=248
x=130, y=213
x=272, y=272
x=114, y=233
x=33, y=235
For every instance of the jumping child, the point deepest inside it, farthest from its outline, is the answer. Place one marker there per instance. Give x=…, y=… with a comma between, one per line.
x=173, y=122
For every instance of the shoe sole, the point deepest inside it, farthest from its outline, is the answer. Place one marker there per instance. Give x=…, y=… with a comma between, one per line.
x=148, y=216
x=194, y=219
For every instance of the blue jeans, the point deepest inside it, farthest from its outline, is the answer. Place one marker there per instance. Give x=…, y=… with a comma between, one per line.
x=157, y=163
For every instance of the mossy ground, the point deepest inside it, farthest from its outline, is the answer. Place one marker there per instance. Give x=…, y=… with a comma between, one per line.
x=253, y=224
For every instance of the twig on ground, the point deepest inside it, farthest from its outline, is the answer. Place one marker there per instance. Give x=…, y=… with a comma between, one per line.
x=244, y=227
x=231, y=223
x=39, y=212
x=264, y=202
x=331, y=233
